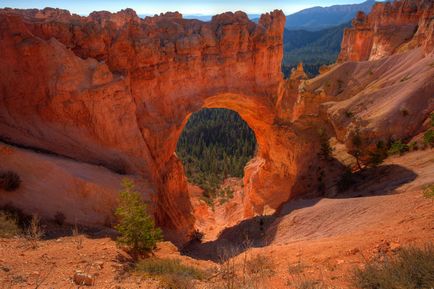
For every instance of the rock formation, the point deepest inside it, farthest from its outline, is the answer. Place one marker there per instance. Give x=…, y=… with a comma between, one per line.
x=388, y=97
x=82, y=193
x=391, y=27
x=115, y=90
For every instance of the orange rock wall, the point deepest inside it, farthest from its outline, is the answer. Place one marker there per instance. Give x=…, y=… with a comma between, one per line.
x=391, y=27
x=116, y=90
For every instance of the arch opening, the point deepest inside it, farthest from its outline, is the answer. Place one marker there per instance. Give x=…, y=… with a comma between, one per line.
x=215, y=146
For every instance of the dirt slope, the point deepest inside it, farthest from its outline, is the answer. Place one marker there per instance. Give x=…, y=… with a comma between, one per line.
x=327, y=236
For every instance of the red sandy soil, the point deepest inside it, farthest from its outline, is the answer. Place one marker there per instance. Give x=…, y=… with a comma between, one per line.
x=327, y=236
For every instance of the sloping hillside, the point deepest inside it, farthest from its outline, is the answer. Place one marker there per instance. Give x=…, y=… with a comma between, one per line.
x=328, y=237
x=317, y=240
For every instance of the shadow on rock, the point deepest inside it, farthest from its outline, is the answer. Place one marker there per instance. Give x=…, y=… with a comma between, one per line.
x=250, y=233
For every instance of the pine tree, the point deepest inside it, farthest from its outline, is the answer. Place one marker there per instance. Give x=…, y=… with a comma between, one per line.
x=138, y=231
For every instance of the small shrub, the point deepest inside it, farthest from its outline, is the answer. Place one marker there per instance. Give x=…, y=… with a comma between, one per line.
x=171, y=272
x=23, y=220
x=75, y=231
x=428, y=137
x=59, y=218
x=137, y=229
x=10, y=181
x=229, y=193
x=34, y=230
x=299, y=280
x=225, y=194
x=296, y=268
x=405, y=78
x=428, y=192
x=248, y=272
x=378, y=156
x=8, y=226
x=349, y=114
x=413, y=146
x=404, y=112
x=173, y=281
x=398, y=147
x=411, y=268
x=306, y=283
x=197, y=236
x=257, y=270
x=261, y=266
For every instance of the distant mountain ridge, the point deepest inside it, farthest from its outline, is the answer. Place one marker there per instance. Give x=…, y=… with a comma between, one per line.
x=310, y=19
x=318, y=18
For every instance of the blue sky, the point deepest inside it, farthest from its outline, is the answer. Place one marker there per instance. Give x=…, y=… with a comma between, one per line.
x=183, y=6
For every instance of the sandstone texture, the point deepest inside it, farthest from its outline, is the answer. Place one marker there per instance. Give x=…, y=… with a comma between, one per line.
x=328, y=237
x=115, y=90
x=112, y=90
x=391, y=27
x=383, y=84
x=50, y=184
x=384, y=100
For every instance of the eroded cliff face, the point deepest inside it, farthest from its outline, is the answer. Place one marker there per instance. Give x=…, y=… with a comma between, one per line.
x=116, y=90
x=384, y=88
x=390, y=28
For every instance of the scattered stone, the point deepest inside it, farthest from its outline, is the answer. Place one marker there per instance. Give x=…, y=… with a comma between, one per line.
x=81, y=278
x=118, y=266
x=98, y=264
x=5, y=269
x=395, y=246
x=18, y=279
x=382, y=248
x=35, y=273
x=353, y=251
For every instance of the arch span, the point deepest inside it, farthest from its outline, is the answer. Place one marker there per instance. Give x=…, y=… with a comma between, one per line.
x=116, y=90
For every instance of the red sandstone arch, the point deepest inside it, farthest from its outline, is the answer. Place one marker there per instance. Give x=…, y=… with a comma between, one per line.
x=116, y=90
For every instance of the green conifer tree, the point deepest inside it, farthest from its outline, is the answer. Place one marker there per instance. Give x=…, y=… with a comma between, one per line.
x=136, y=227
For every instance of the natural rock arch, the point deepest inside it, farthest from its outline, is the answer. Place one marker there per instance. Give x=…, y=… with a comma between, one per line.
x=116, y=90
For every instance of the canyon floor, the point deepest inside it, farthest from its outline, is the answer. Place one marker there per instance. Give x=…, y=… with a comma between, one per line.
x=320, y=239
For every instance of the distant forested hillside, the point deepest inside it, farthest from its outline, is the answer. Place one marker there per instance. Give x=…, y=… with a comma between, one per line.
x=215, y=144
x=319, y=18
x=313, y=48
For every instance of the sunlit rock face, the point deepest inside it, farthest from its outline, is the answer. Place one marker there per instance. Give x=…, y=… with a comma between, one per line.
x=391, y=27
x=116, y=90
x=384, y=86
